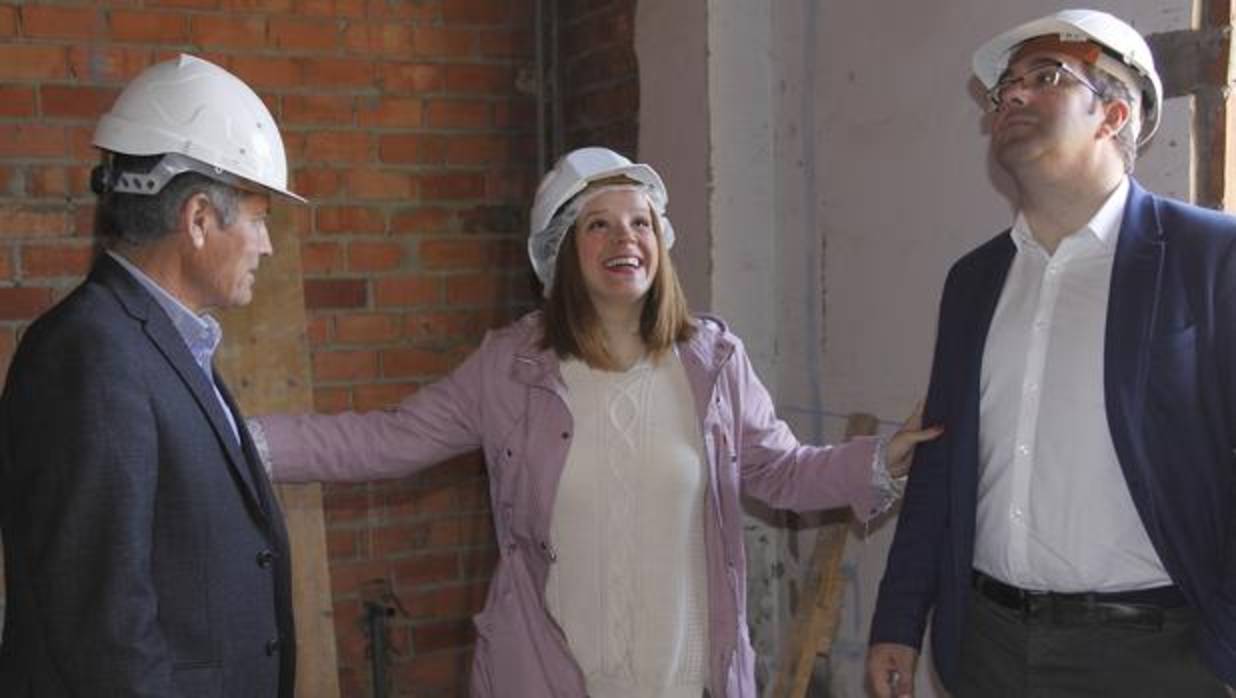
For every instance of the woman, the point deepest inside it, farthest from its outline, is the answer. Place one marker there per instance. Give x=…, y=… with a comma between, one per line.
x=618, y=433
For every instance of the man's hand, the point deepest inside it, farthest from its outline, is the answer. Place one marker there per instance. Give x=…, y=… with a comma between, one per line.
x=901, y=446
x=890, y=670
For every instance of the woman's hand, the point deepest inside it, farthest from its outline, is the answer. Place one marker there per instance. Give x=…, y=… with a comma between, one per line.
x=901, y=446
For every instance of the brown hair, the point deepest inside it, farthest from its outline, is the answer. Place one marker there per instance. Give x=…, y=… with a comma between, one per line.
x=572, y=329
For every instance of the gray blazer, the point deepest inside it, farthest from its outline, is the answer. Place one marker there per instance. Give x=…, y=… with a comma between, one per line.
x=145, y=553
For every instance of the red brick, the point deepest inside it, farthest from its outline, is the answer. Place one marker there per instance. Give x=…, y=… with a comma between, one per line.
x=444, y=42
x=66, y=101
x=321, y=257
x=411, y=77
x=459, y=114
x=374, y=256
x=316, y=183
x=8, y=20
x=341, y=544
x=336, y=146
x=406, y=291
x=24, y=303
x=83, y=221
x=505, y=43
x=440, y=326
x=454, y=254
x=25, y=222
x=394, y=112
x=452, y=186
x=95, y=63
x=333, y=8
x=298, y=34
x=378, y=396
x=228, y=31
x=33, y=62
x=422, y=569
x=340, y=72
x=396, y=539
x=33, y=141
x=479, y=563
x=368, y=328
x=42, y=182
x=334, y=293
x=16, y=101
x=438, y=673
x=480, y=79
x=460, y=531
x=476, y=12
x=386, y=40
x=474, y=289
x=349, y=220
x=41, y=261
x=50, y=22
x=187, y=4
x=455, y=601
x=350, y=577
x=381, y=184
x=425, y=11
x=267, y=72
x=477, y=150
x=331, y=400
x=413, y=148
x=414, y=363
x=270, y=7
x=149, y=27
x=422, y=220
x=6, y=273
x=344, y=365
x=439, y=636
x=402, y=502
x=334, y=110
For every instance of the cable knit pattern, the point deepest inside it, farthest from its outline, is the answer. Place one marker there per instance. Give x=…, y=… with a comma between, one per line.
x=629, y=588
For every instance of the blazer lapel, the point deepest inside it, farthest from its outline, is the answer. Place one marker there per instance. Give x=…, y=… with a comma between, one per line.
x=158, y=327
x=1131, y=309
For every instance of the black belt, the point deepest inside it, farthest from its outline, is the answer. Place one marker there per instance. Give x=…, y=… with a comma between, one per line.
x=1140, y=608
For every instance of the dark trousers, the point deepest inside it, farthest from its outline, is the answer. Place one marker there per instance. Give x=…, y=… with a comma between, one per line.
x=1005, y=655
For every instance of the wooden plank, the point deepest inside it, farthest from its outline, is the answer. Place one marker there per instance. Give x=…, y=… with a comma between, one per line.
x=815, y=622
x=265, y=358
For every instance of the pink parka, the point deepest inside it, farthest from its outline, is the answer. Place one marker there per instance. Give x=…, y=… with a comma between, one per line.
x=508, y=398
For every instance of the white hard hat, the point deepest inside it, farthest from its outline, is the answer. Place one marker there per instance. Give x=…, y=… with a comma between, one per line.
x=571, y=175
x=1126, y=54
x=201, y=118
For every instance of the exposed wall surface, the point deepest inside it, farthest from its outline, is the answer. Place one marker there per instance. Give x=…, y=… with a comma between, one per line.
x=410, y=128
x=600, y=80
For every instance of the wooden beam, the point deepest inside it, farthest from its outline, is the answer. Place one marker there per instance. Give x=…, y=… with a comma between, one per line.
x=265, y=359
x=819, y=612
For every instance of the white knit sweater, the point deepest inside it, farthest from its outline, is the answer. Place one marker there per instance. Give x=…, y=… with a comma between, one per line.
x=629, y=587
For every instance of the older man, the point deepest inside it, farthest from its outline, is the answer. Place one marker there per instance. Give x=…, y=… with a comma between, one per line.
x=1074, y=530
x=145, y=554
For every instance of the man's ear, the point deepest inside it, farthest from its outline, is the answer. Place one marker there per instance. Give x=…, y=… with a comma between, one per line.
x=195, y=216
x=1116, y=114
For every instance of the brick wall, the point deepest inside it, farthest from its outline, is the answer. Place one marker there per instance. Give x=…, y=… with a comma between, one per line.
x=406, y=129
x=600, y=79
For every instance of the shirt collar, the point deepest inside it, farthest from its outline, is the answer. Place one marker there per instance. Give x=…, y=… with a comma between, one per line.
x=201, y=333
x=1104, y=225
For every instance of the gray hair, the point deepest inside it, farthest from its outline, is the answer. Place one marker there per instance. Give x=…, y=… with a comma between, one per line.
x=1114, y=88
x=138, y=219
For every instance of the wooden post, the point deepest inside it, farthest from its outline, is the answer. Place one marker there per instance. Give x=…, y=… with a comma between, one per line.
x=819, y=611
x=265, y=359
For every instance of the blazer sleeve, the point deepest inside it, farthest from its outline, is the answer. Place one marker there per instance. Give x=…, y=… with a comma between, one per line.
x=776, y=468
x=84, y=449
x=910, y=583
x=438, y=421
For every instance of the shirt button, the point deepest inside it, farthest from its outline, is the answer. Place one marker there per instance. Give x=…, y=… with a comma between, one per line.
x=272, y=647
x=1023, y=449
x=265, y=558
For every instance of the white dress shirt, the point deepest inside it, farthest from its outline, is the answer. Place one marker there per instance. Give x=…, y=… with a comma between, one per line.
x=1054, y=511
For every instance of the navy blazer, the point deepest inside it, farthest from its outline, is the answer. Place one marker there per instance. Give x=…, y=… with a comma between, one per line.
x=145, y=554
x=1170, y=387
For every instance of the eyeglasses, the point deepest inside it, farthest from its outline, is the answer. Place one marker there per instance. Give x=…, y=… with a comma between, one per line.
x=1036, y=79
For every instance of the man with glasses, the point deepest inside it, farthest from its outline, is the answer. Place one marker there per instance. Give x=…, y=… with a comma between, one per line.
x=1074, y=531
x=145, y=554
